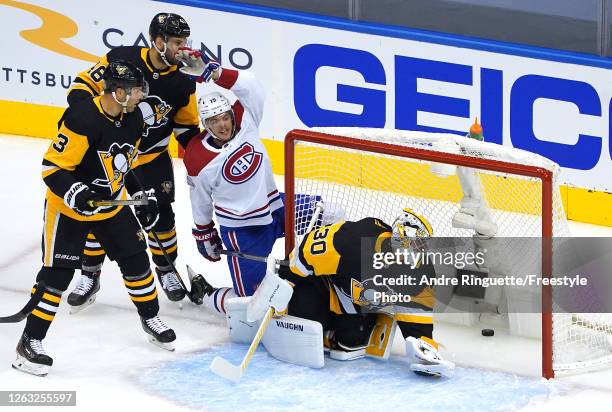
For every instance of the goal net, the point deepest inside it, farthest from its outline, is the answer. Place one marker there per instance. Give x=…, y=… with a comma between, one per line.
x=508, y=192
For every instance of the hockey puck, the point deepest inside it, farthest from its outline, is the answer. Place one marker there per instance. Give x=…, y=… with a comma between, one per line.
x=487, y=332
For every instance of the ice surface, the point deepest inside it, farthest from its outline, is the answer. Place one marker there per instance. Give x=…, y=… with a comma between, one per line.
x=102, y=353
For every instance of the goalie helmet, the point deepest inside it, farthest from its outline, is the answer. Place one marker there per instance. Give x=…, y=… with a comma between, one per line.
x=168, y=24
x=123, y=74
x=408, y=228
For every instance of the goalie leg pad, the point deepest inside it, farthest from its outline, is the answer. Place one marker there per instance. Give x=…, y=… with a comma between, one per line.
x=295, y=340
x=381, y=338
x=240, y=330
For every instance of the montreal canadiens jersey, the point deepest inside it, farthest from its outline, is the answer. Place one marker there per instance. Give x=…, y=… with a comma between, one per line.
x=93, y=148
x=235, y=181
x=171, y=93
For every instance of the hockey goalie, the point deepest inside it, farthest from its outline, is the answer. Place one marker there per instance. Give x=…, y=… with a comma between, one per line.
x=321, y=295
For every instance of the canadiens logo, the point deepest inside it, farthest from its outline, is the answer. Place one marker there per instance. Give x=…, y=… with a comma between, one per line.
x=241, y=165
x=115, y=162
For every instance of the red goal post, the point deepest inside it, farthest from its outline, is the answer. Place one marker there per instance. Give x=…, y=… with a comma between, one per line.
x=333, y=141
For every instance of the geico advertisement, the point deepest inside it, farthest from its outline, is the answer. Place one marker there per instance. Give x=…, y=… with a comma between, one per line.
x=318, y=76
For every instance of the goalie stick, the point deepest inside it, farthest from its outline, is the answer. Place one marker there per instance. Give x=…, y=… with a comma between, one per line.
x=29, y=307
x=221, y=366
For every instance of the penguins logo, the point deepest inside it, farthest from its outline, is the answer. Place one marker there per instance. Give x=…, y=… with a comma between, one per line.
x=116, y=162
x=154, y=113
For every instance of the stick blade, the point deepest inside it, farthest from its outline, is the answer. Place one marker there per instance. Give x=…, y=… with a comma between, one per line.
x=223, y=368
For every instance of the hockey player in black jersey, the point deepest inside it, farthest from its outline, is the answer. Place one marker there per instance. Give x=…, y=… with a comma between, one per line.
x=91, y=159
x=170, y=108
x=329, y=287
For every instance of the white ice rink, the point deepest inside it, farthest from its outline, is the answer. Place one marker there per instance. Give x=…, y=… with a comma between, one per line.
x=102, y=353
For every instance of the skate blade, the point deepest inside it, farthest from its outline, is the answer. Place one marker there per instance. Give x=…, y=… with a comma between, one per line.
x=88, y=302
x=167, y=346
x=24, y=365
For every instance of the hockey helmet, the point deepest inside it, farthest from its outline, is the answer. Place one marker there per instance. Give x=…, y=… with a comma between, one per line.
x=408, y=228
x=123, y=74
x=214, y=104
x=168, y=25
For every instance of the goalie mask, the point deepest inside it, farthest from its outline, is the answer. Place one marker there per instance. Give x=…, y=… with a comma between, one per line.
x=211, y=107
x=410, y=230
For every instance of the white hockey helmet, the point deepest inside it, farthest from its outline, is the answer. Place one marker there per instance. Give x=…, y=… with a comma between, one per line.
x=211, y=105
x=214, y=104
x=408, y=227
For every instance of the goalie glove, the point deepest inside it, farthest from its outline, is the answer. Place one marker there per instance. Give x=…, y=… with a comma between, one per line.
x=197, y=64
x=425, y=359
x=272, y=292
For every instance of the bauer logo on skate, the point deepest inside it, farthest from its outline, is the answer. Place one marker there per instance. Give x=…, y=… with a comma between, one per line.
x=242, y=165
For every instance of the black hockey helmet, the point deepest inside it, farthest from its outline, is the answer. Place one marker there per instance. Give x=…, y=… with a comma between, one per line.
x=168, y=24
x=123, y=74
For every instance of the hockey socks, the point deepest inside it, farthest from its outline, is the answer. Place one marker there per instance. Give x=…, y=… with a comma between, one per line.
x=143, y=293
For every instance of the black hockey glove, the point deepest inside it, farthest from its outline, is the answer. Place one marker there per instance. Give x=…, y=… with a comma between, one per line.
x=81, y=198
x=199, y=288
x=148, y=214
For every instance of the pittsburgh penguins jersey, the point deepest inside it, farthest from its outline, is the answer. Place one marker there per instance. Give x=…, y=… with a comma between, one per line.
x=341, y=254
x=93, y=148
x=171, y=93
x=235, y=180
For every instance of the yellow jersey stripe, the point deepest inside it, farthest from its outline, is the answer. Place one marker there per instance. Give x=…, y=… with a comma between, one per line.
x=142, y=282
x=159, y=252
x=422, y=319
x=144, y=298
x=42, y=315
x=163, y=236
x=93, y=252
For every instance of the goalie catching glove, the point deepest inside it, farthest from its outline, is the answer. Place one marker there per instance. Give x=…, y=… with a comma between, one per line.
x=197, y=64
x=425, y=359
x=272, y=292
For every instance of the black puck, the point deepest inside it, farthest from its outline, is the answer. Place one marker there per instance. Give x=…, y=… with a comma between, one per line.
x=487, y=332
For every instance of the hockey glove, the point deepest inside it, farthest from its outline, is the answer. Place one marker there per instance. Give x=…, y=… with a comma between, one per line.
x=425, y=359
x=197, y=64
x=209, y=243
x=148, y=214
x=80, y=198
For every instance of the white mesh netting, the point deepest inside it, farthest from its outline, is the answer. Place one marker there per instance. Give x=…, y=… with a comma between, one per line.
x=358, y=183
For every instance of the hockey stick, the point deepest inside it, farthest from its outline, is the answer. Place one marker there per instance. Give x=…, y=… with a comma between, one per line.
x=29, y=307
x=251, y=257
x=119, y=202
x=221, y=366
x=163, y=249
x=159, y=243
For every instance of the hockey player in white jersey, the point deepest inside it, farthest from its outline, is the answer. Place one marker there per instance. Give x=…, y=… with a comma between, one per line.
x=229, y=172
